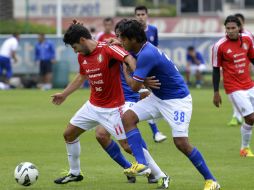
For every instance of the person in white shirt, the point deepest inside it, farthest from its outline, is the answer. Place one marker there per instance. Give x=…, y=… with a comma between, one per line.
x=7, y=54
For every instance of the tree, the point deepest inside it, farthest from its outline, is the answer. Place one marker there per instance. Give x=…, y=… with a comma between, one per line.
x=6, y=9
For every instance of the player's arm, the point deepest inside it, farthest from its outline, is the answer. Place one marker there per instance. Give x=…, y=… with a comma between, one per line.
x=59, y=98
x=216, y=58
x=135, y=85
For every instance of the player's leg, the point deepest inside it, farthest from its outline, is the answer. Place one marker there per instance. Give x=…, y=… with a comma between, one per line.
x=71, y=135
x=48, y=76
x=82, y=121
x=8, y=69
x=244, y=101
x=177, y=112
x=157, y=135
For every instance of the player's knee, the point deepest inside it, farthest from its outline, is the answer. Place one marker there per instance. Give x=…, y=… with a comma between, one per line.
x=68, y=137
x=129, y=119
x=249, y=119
x=102, y=137
x=183, y=145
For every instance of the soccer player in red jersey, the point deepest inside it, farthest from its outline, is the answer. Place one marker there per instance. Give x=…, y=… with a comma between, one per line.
x=234, y=53
x=100, y=64
x=237, y=118
x=108, y=24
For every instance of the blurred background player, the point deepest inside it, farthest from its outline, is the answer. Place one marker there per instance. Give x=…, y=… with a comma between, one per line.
x=108, y=24
x=233, y=54
x=45, y=57
x=141, y=14
x=236, y=117
x=7, y=54
x=195, y=66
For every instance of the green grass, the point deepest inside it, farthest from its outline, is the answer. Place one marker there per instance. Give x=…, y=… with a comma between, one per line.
x=31, y=130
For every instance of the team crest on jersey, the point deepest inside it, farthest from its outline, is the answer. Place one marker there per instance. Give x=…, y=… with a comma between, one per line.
x=100, y=58
x=245, y=46
x=151, y=38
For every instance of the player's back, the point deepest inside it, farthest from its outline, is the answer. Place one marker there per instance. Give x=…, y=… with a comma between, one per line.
x=8, y=46
x=152, y=62
x=103, y=71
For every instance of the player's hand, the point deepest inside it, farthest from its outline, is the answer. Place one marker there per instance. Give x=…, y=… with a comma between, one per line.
x=144, y=94
x=113, y=41
x=217, y=99
x=152, y=82
x=58, y=98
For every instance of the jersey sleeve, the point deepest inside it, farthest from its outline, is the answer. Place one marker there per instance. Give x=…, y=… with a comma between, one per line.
x=117, y=52
x=216, y=56
x=14, y=46
x=156, y=39
x=145, y=63
x=200, y=58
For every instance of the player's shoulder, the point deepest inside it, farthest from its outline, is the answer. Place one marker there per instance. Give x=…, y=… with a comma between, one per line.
x=152, y=27
x=220, y=42
x=247, y=36
x=99, y=35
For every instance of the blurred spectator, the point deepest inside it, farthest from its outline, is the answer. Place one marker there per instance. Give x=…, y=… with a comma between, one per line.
x=7, y=53
x=45, y=57
x=141, y=14
x=108, y=24
x=93, y=32
x=242, y=21
x=195, y=66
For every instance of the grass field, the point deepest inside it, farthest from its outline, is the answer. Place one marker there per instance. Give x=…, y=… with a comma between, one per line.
x=31, y=130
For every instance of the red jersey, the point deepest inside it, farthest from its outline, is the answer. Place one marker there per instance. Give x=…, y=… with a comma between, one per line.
x=103, y=36
x=102, y=67
x=234, y=58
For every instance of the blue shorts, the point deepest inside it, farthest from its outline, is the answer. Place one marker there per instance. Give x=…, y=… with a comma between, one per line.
x=5, y=65
x=45, y=67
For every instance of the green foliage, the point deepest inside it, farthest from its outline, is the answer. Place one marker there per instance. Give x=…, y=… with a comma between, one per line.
x=31, y=130
x=11, y=26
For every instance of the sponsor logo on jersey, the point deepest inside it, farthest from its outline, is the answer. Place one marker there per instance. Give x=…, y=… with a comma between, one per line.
x=84, y=62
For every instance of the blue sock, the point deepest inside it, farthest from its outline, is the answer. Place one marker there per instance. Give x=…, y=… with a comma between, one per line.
x=135, y=142
x=115, y=153
x=153, y=127
x=199, y=162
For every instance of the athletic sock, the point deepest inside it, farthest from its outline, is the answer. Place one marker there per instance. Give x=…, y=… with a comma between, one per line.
x=198, y=161
x=135, y=142
x=153, y=126
x=115, y=153
x=73, y=151
x=155, y=169
x=246, y=132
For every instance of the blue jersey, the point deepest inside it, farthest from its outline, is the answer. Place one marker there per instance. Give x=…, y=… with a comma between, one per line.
x=152, y=35
x=198, y=56
x=44, y=51
x=152, y=62
x=129, y=94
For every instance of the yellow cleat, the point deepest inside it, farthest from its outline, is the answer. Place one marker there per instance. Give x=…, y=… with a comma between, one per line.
x=137, y=170
x=211, y=185
x=246, y=152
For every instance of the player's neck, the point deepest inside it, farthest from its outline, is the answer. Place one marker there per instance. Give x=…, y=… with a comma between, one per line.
x=92, y=45
x=138, y=47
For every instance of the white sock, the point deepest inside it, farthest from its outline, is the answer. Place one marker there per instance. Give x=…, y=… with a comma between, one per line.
x=237, y=114
x=151, y=121
x=155, y=169
x=73, y=151
x=246, y=132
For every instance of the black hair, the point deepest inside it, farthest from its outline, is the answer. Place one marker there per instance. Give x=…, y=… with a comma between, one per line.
x=132, y=29
x=141, y=7
x=239, y=15
x=75, y=32
x=232, y=18
x=107, y=19
x=191, y=48
x=119, y=23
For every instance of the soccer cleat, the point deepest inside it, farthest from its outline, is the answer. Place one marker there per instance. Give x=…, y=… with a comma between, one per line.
x=137, y=170
x=151, y=179
x=211, y=185
x=159, y=137
x=246, y=152
x=131, y=179
x=234, y=122
x=163, y=182
x=69, y=178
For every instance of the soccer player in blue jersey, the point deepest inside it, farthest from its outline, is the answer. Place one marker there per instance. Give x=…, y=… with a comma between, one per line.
x=141, y=14
x=172, y=101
